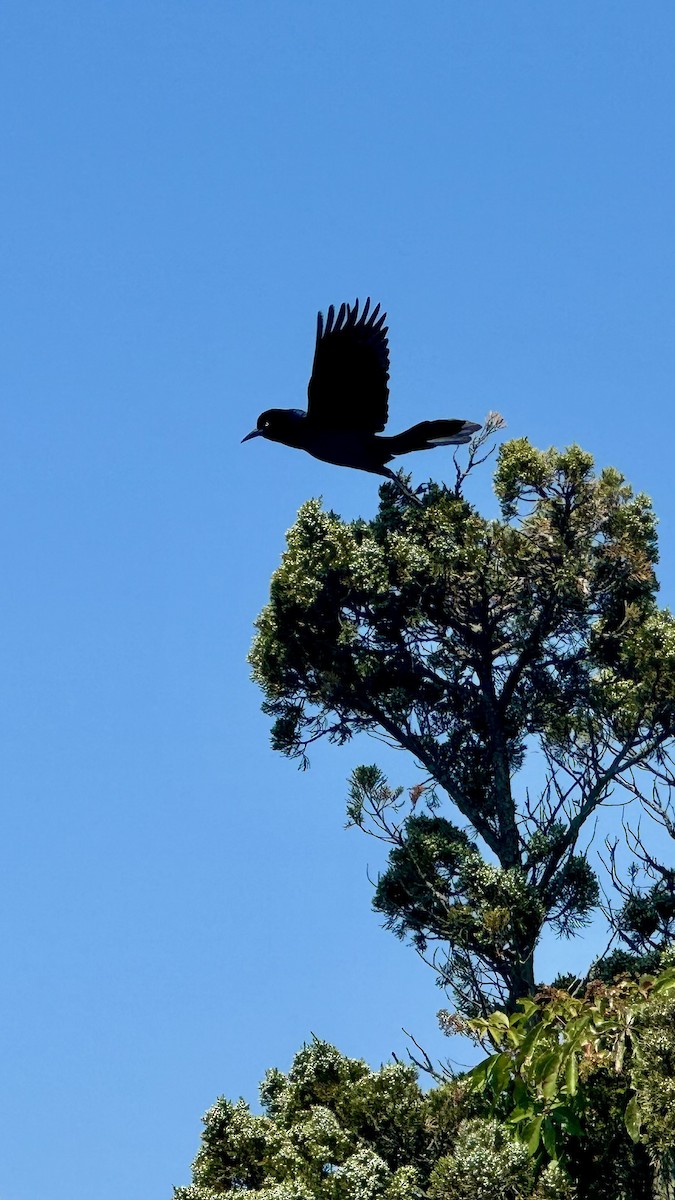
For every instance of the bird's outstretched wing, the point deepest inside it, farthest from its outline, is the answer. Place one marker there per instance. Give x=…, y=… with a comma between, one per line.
x=349, y=387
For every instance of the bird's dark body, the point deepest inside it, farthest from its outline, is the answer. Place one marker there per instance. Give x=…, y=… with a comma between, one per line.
x=348, y=400
x=341, y=447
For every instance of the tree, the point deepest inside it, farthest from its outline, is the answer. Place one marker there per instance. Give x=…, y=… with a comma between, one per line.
x=480, y=646
x=573, y=1102
x=333, y=1129
x=330, y=1128
x=645, y=919
x=558, y=1061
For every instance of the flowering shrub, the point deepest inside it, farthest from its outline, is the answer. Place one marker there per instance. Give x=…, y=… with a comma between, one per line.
x=333, y=1129
x=486, y=1164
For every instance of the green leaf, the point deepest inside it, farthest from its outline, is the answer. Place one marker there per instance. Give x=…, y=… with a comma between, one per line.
x=572, y=1074
x=576, y=1033
x=497, y=1025
x=479, y=1075
x=530, y=1042
x=520, y=1114
x=531, y=1134
x=569, y=1122
x=549, y=1138
x=546, y=1073
x=549, y=1085
x=619, y=1052
x=528, y=1006
x=665, y=982
x=632, y=1119
x=500, y=1073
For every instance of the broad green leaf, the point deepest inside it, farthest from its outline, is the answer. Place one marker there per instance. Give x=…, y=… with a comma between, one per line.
x=478, y=1076
x=528, y=1006
x=498, y=1021
x=619, y=1052
x=500, y=1073
x=569, y=1122
x=572, y=1074
x=531, y=1134
x=548, y=1133
x=632, y=1119
x=665, y=982
x=549, y=1085
x=520, y=1114
x=530, y=1042
x=576, y=1032
x=546, y=1072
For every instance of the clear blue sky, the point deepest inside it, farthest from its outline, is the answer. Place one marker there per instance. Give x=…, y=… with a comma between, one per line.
x=184, y=185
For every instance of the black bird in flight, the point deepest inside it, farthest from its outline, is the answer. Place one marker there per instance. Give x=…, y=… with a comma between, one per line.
x=348, y=400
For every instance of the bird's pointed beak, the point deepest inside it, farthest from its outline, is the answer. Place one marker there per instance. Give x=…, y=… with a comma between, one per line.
x=253, y=433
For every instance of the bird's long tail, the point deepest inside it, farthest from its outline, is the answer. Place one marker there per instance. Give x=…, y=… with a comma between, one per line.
x=428, y=434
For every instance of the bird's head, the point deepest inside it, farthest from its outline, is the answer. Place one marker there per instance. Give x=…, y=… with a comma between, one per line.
x=276, y=424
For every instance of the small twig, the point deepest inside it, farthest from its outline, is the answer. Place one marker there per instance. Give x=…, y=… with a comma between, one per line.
x=425, y=1064
x=493, y=422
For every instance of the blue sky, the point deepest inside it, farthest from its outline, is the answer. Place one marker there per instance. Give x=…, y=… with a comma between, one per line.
x=184, y=186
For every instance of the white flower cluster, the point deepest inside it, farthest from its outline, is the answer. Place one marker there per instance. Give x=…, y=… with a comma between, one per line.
x=242, y=1125
x=486, y=1165
x=281, y=1191
x=194, y=1192
x=404, y=1185
x=369, y=567
x=364, y=1176
x=313, y=544
x=320, y=1137
x=554, y=1184
x=660, y=629
x=320, y=1060
x=410, y=558
x=506, y=886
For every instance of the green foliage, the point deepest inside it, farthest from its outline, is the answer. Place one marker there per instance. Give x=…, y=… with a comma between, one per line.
x=470, y=642
x=438, y=859
x=646, y=919
x=554, y=1184
x=623, y=962
x=486, y=1164
x=576, y=1101
x=604, y=1160
x=572, y=1076
x=352, y=606
x=438, y=886
x=331, y=1129
x=653, y=1076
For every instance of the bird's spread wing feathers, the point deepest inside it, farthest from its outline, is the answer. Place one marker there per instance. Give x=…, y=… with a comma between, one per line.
x=349, y=387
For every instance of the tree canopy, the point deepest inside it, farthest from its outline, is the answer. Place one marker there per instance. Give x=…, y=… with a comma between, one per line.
x=485, y=648
x=574, y=1102
x=481, y=645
